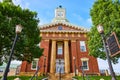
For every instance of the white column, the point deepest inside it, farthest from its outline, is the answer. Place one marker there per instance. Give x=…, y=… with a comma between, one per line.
x=66, y=56
x=53, y=57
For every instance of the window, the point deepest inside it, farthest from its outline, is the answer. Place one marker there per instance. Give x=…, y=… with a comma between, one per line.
x=85, y=65
x=60, y=49
x=34, y=64
x=82, y=46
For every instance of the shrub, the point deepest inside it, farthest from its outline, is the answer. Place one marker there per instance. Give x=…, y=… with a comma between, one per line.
x=25, y=77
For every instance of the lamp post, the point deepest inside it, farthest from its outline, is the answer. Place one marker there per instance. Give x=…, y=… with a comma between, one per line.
x=74, y=65
x=18, y=30
x=82, y=69
x=44, y=64
x=101, y=31
x=60, y=69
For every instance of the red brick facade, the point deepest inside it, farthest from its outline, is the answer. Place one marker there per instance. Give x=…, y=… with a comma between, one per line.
x=69, y=36
x=74, y=39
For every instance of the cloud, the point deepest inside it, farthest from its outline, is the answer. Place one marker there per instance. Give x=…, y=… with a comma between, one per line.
x=1, y=0
x=45, y=17
x=89, y=21
x=86, y=22
x=77, y=17
x=103, y=64
x=43, y=21
x=21, y=3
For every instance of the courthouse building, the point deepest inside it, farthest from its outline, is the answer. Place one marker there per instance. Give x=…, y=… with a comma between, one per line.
x=65, y=49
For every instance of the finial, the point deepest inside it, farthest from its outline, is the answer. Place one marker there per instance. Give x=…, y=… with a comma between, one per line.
x=60, y=6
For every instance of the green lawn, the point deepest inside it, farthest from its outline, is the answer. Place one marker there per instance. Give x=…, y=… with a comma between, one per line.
x=96, y=77
x=24, y=77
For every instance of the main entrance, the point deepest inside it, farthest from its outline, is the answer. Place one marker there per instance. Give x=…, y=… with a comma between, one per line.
x=60, y=66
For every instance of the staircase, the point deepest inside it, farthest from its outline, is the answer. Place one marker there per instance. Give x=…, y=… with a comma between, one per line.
x=57, y=76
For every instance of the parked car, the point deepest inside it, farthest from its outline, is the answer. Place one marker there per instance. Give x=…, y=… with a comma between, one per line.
x=1, y=70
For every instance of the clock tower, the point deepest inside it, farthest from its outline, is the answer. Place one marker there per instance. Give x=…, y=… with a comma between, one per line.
x=60, y=15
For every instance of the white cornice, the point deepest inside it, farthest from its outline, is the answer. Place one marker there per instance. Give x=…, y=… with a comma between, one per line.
x=61, y=31
x=63, y=23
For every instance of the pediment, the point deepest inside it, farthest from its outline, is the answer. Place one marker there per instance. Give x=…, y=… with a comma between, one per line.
x=61, y=27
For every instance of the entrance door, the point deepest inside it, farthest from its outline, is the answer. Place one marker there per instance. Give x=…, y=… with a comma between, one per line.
x=59, y=66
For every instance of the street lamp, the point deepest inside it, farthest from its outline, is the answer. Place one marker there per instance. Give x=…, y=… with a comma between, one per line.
x=59, y=69
x=44, y=64
x=74, y=64
x=82, y=69
x=18, y=30
x=101, y=31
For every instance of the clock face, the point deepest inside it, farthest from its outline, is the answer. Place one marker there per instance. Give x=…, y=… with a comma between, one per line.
x=60, y=14
x=59, y=27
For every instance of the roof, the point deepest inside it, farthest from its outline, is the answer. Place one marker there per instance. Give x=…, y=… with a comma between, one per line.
x=77, y=28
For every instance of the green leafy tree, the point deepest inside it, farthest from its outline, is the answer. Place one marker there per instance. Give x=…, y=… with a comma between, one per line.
x=26, y=47
x=107, y=13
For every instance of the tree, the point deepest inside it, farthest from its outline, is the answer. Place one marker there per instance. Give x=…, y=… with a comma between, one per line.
x=107, y=13
x=26, y=47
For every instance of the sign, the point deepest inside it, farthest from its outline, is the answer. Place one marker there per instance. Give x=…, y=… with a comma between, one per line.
x=113, y=44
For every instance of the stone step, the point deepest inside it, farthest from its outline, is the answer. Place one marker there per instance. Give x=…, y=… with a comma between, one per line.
x=57, y=77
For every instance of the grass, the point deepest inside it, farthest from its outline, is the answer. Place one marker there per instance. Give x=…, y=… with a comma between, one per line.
x=77, y=77
x=96, y=77
x=24, y=77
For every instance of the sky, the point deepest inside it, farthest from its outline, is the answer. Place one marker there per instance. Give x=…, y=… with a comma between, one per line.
x=77, y=12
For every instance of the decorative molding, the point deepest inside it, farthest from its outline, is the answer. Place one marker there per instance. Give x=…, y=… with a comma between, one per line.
x=66, y=35
x=79, y=35
x=72, y=35
x=36, y=58
x=66, y=40
x=63, y=23
x=46, y=40
x=62, y=31
x=84, y=59
x=53, y=34
x=47, y=34
x=73, y=40
x=60, y=34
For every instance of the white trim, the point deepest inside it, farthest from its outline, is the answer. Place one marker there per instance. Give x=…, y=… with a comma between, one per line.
x=64, y=23
x=84, y=59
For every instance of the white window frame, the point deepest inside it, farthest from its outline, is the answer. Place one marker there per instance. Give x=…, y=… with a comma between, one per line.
x=82, y=44
x=36, y=60
x=85, y=59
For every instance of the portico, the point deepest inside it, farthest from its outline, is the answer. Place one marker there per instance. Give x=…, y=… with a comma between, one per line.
x=66, y=59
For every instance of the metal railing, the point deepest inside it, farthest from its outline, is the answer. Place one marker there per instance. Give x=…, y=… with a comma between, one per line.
x=35, y=74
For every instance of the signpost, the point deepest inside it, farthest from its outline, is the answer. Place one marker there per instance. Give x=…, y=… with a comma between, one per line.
x=113, y=44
